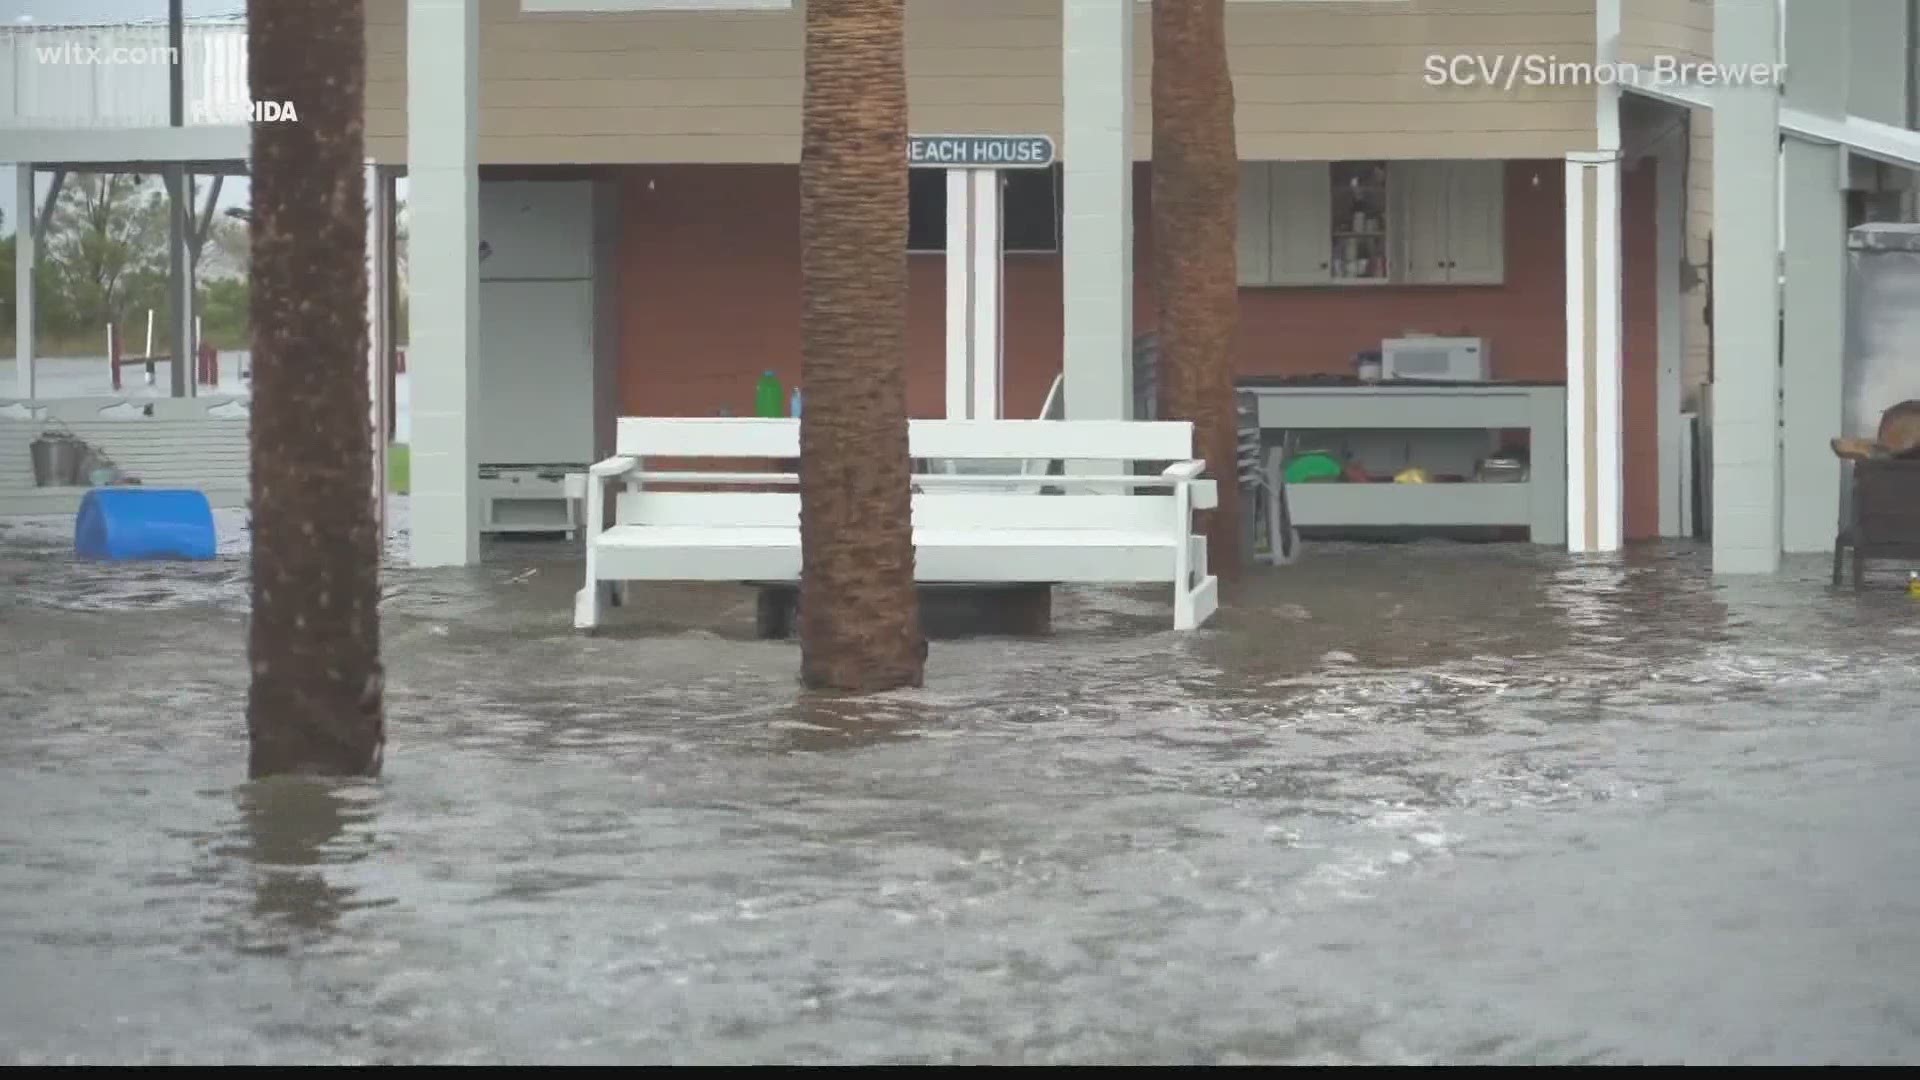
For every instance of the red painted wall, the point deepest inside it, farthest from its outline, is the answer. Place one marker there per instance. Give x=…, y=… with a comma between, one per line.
x=710, y=281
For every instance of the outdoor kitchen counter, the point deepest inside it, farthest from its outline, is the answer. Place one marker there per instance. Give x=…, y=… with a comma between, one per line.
x=1538, y=503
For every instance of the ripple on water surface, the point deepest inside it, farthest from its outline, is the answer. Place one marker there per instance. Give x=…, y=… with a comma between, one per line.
x=1398, y=803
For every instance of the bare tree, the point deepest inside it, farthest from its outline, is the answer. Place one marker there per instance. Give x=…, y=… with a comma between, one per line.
x=1196, y=176
x=105, y=250
x=316, y=704
x=859, y=612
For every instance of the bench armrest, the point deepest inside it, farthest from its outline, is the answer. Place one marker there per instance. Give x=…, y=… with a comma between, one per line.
x=1203, y=492
x=613, y=466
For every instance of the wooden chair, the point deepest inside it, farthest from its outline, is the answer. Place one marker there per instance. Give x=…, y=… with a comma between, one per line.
x=1882, y=519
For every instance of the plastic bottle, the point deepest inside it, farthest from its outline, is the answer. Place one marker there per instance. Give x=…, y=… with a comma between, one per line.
x=793, y=404
x=767, y=398
x=1913, y=584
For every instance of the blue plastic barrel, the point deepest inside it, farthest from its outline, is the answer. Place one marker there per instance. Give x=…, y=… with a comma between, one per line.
x=128, y=523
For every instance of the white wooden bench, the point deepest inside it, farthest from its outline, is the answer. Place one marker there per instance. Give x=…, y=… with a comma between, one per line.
x=1111, y=527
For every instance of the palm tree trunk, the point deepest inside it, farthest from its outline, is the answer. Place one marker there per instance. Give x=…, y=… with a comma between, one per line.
x=316, y=703
x=859, y=614
x=1196, y=177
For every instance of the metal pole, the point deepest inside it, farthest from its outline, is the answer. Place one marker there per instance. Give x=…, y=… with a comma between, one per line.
x=180, y=274
x=181, y=279
x=176, y=57
x=24, y=255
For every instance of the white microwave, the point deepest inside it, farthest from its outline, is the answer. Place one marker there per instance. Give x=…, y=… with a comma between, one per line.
x=1448, y=359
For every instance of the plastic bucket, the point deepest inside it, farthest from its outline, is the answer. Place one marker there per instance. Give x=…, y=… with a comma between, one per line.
x=60, y=461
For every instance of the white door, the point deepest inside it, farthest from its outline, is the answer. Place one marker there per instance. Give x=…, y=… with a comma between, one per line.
x=536, y=229
x=535, y=377
x=1419, y=190
x=1255, y=242
x=1302, y=223
x=1476, y=226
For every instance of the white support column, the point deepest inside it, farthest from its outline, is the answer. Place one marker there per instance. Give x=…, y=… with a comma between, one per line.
x=1607, y=22
x=1818, y=38
x=27, y=208
x=975, y=296
x=1670, y=245
x=1097, y=260
x=1746, y=295
x=443, y=182
x=1595, y=503
x=379, y=327
x=959, y=295
x=989, y=296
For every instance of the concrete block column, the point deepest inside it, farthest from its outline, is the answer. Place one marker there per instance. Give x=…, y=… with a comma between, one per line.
x=1097, y=260
x=443, y=179
x=1818, y=38
x=1595, y=502
x=1746, y=296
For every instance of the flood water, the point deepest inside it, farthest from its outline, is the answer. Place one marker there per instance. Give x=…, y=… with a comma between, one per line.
x=1399, y=803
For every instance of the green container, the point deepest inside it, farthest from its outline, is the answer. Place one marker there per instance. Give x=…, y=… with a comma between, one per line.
x=1313, y=468
x=769, y=398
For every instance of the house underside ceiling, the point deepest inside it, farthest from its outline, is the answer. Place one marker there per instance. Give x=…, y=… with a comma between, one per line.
x=1866, y=138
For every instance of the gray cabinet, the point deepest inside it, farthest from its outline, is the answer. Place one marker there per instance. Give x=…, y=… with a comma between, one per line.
x=1302, y=231
x=1287, y=234
x=1452, y=216
x=1305, y=223
x=1476, y=222
x=1420, y=191
x=1255, y=246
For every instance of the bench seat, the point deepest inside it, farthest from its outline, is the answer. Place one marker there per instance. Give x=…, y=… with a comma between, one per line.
x=941, y=555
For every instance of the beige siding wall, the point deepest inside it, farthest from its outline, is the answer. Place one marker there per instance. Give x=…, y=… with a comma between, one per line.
x=1693, y=372
x=1313, y=81
x=1682, y=29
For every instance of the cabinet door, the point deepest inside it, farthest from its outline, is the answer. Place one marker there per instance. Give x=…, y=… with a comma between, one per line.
x=1255, y=243
x=1420, y=189
x=1302, y=223
x=1476, y=222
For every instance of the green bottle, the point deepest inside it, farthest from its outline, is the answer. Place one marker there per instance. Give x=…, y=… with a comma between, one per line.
x=768, y=400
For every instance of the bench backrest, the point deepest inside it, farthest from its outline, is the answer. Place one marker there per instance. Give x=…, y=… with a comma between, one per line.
x=1003, y=440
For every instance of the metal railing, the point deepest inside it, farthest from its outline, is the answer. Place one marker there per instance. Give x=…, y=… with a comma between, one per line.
x=117, y=76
